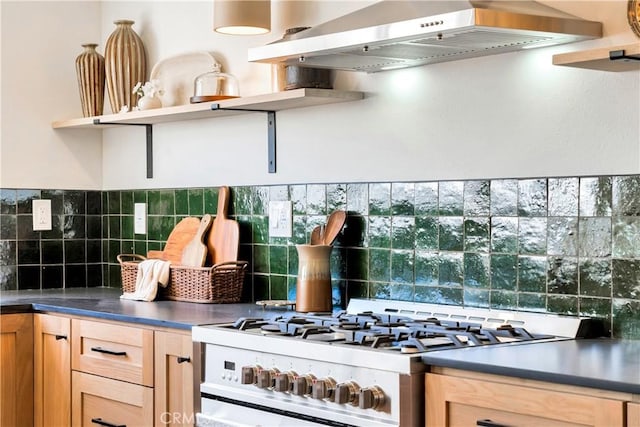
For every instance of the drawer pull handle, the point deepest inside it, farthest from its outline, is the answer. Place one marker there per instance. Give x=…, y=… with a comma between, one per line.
x=111, y=352
x=99, y=421
x=488, y=423
x=183, y=359
x=61, y=337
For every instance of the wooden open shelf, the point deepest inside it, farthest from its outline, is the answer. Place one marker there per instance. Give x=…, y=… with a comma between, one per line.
x=598, y=59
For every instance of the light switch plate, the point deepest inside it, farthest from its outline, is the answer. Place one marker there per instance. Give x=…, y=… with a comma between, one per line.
x=280, y=219
x=140, y=218
x=41, y=215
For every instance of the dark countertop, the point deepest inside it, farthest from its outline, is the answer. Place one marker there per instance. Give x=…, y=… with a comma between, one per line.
x=597, y=363
x=105, y=303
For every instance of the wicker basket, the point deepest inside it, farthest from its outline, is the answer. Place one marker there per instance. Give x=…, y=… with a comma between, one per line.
x=221, y=283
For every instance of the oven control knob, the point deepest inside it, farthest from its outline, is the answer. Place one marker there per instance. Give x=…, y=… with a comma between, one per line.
x=371, y=397
x=302, y=385
x=347, y=393
x=323, y=389
x=249, y=374
x=284, y=381
x=267, y=377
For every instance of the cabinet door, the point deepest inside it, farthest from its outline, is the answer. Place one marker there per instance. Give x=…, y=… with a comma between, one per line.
x=16, y=370
x=457, y=401
x=52, y=370
x=99, y=401
x=175, y=383
x=633, y=414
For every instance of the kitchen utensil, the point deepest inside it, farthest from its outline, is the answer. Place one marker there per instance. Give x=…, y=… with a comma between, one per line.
x=224, y=236
x=179, y=237
x=334, y=225
x=195, y=253
x=317, y=235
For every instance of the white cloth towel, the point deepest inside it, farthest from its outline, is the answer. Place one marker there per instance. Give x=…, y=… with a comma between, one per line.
x=151, y=273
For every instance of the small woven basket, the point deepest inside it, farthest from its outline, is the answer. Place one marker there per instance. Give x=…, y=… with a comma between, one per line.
x=221, y=283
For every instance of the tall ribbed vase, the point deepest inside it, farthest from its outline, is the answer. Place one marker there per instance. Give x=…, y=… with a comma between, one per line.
x=126, y=65
x=90, y=72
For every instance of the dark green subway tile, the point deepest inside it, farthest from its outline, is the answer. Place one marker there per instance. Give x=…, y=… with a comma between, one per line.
x=439, y=295
x=532, y=236
x=299, y=234
x=73, y=203
x=260, y=229
x=594, y=237
x=354, y=233
x=261, y=259
x=94, y=251
x=504, y=235
x=477, y=198
x=626, y=237
x=140, y=196
x=562, y=236
x=337, y=263
x=357, y=289
x=358, y=199
x=403, y=199
x=316, y=199
x=427, y=268
x=210, y=200
x=402, y=266
x=196, y=202
x=161, y=202
x=426, y=199
x=115, y=230
x=503, y=300
x=562, y=275
x=25, y=228
x=451, y=198
x=278, y=287
x=357, y=260
x=126, y=246
x=182, y=202
x=94, y=203
x=126, y=203
x=380, y=199
x=476, y=298
x=504, y=197
x=8, y=202
x=278, y=259
x=532, y=302
x=379, y=232
x=504, y=272
x=595, y=277
x=279, y=193
x=74, y=227
x=57, y=203
x=24, y=200
x=336, y=197
x=476, y=270
x=380, y=290
x=28, y=252
x=253, y=199
x=451, y=269
x=451, y=233
x=532, y=274
x=595, y=196
x=625, y=319
x=241, y=200
x=75, y=276
x=115, y=248
x=8, y=227
x=426, y=230
x=476, y=234
x=113, y=200
x=626, y=195
x=115, y=278
x=159, y=227
x=563, y=196
x=532, y=197
x=29, y=277
x=298, y=194
x=379, y=265
x=401, y=292
x=127, y=227
x=600, y=308
x=8, y=251
x=155, y=246
x=626, y=278
x=562, y=304
x=94, y=276
x=403, y=234
x=261, y=287
x=292, y=288
x=140, y=247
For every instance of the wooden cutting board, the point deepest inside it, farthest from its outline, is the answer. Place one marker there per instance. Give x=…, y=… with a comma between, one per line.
x=195, y=253
x=224, y=236
x=179, y=237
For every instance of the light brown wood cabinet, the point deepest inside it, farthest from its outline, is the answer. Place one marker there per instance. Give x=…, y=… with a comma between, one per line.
x=633, y=414
x=16, y=369
x=52, y=370
x=456, y=398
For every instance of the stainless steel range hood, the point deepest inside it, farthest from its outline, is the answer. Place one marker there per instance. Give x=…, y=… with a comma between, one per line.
x=398, y=34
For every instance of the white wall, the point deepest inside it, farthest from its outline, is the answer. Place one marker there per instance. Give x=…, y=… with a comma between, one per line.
x=510, y=115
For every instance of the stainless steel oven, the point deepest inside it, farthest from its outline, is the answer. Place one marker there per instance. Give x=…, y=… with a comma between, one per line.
x=360, y=367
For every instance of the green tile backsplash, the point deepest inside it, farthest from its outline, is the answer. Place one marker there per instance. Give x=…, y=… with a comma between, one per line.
x=567, y=245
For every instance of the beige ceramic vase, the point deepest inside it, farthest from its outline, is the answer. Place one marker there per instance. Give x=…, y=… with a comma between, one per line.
x=313, y=287
x=90, y=72
x=125, y=64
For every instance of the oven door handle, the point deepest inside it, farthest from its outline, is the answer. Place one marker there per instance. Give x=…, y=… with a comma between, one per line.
x=489, y=423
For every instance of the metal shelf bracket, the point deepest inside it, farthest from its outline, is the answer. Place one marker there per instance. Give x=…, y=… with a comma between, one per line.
x=617, y=55
x=149, y=131
x=271, y=132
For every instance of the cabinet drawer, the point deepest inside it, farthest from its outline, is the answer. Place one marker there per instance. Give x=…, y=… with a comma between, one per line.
x=633, y=414
x=115, y=351
x=99, y=401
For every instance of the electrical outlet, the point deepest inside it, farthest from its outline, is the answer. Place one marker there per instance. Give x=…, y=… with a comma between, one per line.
x=41, y=215
x=280, y=219
x=140, y=218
